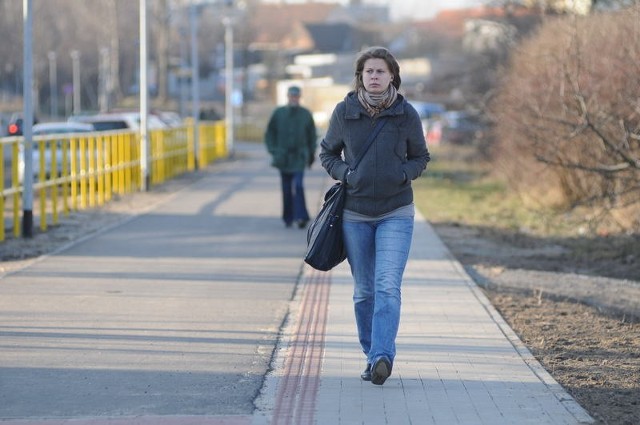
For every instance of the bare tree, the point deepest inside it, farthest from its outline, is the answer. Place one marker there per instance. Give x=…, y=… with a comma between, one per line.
x=564, y=6
x=161, y=30
x=10, y=48
x=114, y=91
x=568, y=114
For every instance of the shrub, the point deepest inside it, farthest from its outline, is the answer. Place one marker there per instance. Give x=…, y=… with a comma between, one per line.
x=568, y=115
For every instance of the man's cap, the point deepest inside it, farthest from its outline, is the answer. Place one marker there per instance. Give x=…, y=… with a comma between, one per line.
x=294, y=91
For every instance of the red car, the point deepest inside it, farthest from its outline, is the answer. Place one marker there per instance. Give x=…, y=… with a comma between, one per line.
x=14, y=128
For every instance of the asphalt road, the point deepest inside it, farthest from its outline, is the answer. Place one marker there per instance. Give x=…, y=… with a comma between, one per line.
x=175, y=310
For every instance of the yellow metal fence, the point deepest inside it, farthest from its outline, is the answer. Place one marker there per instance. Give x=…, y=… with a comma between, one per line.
x=79, y=171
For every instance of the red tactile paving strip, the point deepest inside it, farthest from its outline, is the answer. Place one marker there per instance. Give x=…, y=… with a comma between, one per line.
x=298, y=389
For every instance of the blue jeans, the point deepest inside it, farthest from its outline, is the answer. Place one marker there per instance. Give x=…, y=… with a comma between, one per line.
x=377, y=252
x=294, y=206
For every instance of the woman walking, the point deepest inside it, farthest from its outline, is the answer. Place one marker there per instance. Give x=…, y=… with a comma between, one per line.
x=379, y=210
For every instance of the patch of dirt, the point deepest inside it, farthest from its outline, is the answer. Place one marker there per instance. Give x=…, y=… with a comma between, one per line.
x=574, y=303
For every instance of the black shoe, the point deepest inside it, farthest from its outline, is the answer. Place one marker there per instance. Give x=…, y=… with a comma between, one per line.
x=366, y=375
x=380, y=371
x=302, y=223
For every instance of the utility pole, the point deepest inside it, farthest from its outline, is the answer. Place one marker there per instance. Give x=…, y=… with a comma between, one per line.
x=27, y=120
x=53, y=84
x=75, y=62
x=228, y=93
x=144, y=95
x=195, y=81
x=104, y=73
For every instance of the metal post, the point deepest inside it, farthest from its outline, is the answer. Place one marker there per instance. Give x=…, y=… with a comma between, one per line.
x=27, y=121
x=181, y=77
x=228, y=97
x=103, y=80
x=53, y=84
x=144, y=93
x=195, y=82
x=75, y=58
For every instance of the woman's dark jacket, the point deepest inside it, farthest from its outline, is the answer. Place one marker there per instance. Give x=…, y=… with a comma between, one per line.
x=399, y=154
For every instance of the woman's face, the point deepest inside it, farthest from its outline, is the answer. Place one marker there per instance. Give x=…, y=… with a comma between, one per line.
x=376, y=76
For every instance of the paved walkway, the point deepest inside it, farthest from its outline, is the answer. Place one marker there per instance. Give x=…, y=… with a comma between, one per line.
x=457, y=363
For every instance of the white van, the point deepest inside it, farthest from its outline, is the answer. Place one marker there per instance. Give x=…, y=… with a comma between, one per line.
x=118, y=121
x=48, y=134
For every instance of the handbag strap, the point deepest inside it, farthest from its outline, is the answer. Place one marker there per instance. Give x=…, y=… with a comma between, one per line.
x=372, y=136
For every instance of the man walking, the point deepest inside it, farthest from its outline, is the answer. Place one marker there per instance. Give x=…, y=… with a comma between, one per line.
x=291, y=141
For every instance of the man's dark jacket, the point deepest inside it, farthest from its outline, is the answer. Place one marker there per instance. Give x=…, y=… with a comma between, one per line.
x=291, y=138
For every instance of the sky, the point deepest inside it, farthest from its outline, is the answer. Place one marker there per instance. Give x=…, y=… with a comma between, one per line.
x=422, y=9
x=406, y=9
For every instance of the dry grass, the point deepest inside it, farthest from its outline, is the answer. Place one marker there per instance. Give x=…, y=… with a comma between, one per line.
x=461, y=191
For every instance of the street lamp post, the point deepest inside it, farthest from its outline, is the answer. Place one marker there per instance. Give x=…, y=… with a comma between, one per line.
x=228, y=92
x=103, y=80
x=182, y=72
x=27, y=119
x=53, y=84
x=144, y=97
x=195, y=81
x=75, y=58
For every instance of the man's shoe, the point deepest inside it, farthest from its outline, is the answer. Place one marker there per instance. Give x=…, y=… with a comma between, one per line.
x=366, y=375
x=380, y=371
x=302, y=223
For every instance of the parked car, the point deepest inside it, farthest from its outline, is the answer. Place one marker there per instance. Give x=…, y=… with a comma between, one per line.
x=118, y=121
x=429, y=110
x=461, y=127
x=61, y=127
x=14, y=128
x=49, y=130
x=170, y=119
x=433, y=131
x=430, y=114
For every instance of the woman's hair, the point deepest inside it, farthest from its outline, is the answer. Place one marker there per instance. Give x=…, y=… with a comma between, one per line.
x=377, y=53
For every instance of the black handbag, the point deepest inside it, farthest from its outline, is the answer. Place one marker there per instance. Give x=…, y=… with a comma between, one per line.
x=325, y=246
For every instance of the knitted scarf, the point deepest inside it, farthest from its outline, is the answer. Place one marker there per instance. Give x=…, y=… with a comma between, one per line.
x=375, y=103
